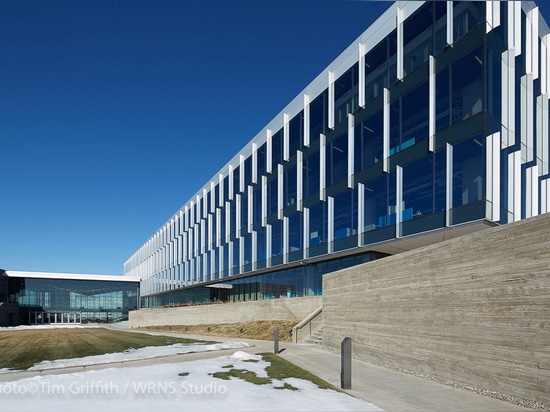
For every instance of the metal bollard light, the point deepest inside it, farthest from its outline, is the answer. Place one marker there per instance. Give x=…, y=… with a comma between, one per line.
x=276, y=341
x=345, y=364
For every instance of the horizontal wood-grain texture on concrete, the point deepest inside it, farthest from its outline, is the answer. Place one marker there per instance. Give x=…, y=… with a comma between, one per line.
x=272, y=309
x=474, y=309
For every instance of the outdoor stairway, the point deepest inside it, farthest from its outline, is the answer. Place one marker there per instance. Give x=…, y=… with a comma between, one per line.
x=316, y=338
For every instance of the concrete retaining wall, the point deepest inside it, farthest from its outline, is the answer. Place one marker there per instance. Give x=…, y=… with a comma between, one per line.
x=474, y=309
x=272, y=309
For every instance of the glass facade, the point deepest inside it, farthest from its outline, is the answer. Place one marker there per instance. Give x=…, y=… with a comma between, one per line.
x=50, y=300
x=443, y=122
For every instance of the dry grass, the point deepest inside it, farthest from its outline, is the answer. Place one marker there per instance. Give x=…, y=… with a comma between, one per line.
x=261, y=330
x=20, y=349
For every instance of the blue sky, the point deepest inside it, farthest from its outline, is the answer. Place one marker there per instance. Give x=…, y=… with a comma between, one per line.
x=114, y=113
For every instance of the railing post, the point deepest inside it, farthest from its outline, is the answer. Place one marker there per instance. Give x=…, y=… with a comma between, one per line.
x=345, y=362
x=276, y=341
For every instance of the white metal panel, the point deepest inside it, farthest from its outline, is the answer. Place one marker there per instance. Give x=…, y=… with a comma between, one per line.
x=220, y=267
x=351, y=149
x=220, y=187
x=517, y=27
x=493, y=15
x=524, y=101
x=196, y=232
x=489, y=15
x=361, y=97
x=280, y=187
x=240, y=264
x=218, y=227
x=254, y=163
x=299, y=179
x=386, y=142
x=322, y=165
x=264, y=200
x=398, y=200
x=531, y=192
x=205, y=210
x=227, y=221
x=268, y=244
x=360, y=212
x=533, y=22
x=230, y=258
x=432, y=112
x=238, y=215
x=330, y=224
x=400, y=54
x=286, y=137
x=544, y=65
x=330, y=100
x=306, y=119
x=514, y=185
x=306, y=233
x=241, y=173
x=203, y=236
x=544, y=196
x=212, y=195
x=250, y=208
x=450, y=28
x=542, y=134
x=210, y=231
x=230, y=185
x=449, y=185
x=269, y=152
x=285, y=239
x=254, y=246
x=493, y=176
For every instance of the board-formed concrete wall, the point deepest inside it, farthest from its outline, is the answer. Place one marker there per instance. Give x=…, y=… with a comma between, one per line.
x=474, y=309
x=272, y=309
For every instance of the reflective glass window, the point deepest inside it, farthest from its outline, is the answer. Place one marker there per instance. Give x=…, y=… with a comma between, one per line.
x=289, y=185
x=418, y=37
x=346, y=93
x=261, y=247
x=468, y=171
x=236, y=180
x=467, y=86
x=244, y=210
x=318, y=224
x=261, y=156
x=467, y=15
x=296, y=133
x=311, y=173
x=272, y=194
x=247, y=251
x=277, y=240
x=376, y=203
x=277, y=148
x=381, y=66
x=318, y=116
x=443, y=95
x=409, y=118
x=345, y=214
x=337, y=159
x=248, y=171
x=369, y=138
x=257, y=203
x=296, y=231
x=235, y=269
x=418, y=188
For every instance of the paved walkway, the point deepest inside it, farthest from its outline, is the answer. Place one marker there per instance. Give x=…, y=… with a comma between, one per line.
x=390, y=390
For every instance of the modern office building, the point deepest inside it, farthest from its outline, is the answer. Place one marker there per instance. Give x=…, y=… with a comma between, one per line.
x=432, y=124
x=36, y=298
